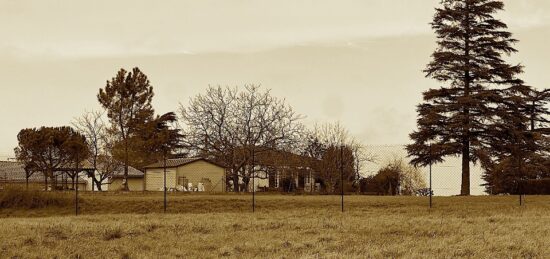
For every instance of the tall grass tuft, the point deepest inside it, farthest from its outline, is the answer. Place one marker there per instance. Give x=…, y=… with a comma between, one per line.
x=33, y=199
x=112, y=233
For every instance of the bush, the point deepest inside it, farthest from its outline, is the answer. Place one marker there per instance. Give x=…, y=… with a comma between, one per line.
x=32, y=199
x=535, y=187
x=396, y=178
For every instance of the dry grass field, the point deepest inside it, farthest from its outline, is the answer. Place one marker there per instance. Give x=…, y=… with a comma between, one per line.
x=283, y=226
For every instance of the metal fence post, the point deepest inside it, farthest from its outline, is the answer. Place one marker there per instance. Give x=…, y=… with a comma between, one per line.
x=76, y=196
x=521, y=197
x=253, y=184
x=76, y=187
x=342, y=176
x=431, y=191
x=165, y=203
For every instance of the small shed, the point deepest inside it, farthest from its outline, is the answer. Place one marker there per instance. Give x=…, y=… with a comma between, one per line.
x=186, y=174
x=135, y=180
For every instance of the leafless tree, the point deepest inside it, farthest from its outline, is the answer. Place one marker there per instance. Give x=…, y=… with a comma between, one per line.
x=323, y=145
x=101, y=142
x=232, y=125
x=335, y=134
x=91, y=125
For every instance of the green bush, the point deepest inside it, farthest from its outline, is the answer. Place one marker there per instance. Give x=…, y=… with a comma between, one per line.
x=32, y=199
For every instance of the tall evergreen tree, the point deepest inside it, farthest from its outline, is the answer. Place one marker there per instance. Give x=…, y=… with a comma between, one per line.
x=513, y=151
x=127, y=99
x=158, y=139
x=469, y=63
x=539, y=112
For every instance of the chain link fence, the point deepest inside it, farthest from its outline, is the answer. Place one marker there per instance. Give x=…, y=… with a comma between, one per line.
x=386, y=173
x=446, y=176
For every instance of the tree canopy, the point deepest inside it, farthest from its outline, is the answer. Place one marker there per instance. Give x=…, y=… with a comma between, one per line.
x=51, y=149
x=469, y=62
x=127, y=99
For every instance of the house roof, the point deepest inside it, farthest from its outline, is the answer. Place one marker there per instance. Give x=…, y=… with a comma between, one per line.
x=281, y=158
x=132, y=173
x=177, y=162
x=84, y=166
x=13, y=172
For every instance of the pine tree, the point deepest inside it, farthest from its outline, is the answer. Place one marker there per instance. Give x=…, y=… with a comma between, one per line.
x=539, y=113
x=511, y=148
x=127, y=99
x=469, y=63
x=518, y=144
x=50, y=149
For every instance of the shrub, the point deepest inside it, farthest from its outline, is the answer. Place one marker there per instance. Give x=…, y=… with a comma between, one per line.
x=32, y=199
x=112, y=233
x=396, y=178
x=535, y=187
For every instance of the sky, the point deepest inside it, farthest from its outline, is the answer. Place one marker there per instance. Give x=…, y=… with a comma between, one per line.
x=355, y=61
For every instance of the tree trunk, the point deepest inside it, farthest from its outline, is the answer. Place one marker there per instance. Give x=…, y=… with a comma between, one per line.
x=125, y=184
x=533, y=115
x=97, y=184
x=72, y=182
x=52, y=181
x=235, y=181
x=92, y=175
x=465, y=187
x=66, y=181
x=246, y=181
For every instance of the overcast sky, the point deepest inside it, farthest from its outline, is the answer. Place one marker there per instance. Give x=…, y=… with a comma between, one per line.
x=358, y=62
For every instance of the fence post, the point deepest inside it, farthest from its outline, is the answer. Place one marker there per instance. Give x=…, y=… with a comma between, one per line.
x=76, y=187
x=342, y=176
x=253, y=184
x=164, y=167
x=521, y=197
x=431, y=191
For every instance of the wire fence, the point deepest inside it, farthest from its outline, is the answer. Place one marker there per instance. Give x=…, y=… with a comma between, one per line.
x=446, y=176
x=192, y=188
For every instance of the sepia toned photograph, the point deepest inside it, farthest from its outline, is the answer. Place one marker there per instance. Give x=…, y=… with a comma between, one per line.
x=275, y=129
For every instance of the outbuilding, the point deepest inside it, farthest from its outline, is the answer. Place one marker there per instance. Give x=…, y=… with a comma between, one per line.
x=186, y=174
x=135, y=180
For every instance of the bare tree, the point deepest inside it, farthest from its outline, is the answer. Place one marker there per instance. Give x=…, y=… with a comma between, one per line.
x=335, y=134
x=331, y=146
x=232, y=125
x=92, y=126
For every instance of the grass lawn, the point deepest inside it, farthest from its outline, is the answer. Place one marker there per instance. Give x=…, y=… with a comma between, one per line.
x=283, y=226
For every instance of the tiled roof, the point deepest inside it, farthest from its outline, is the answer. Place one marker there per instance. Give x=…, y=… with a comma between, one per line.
x=132, y=173
x=176, y=162
x=15, y=172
